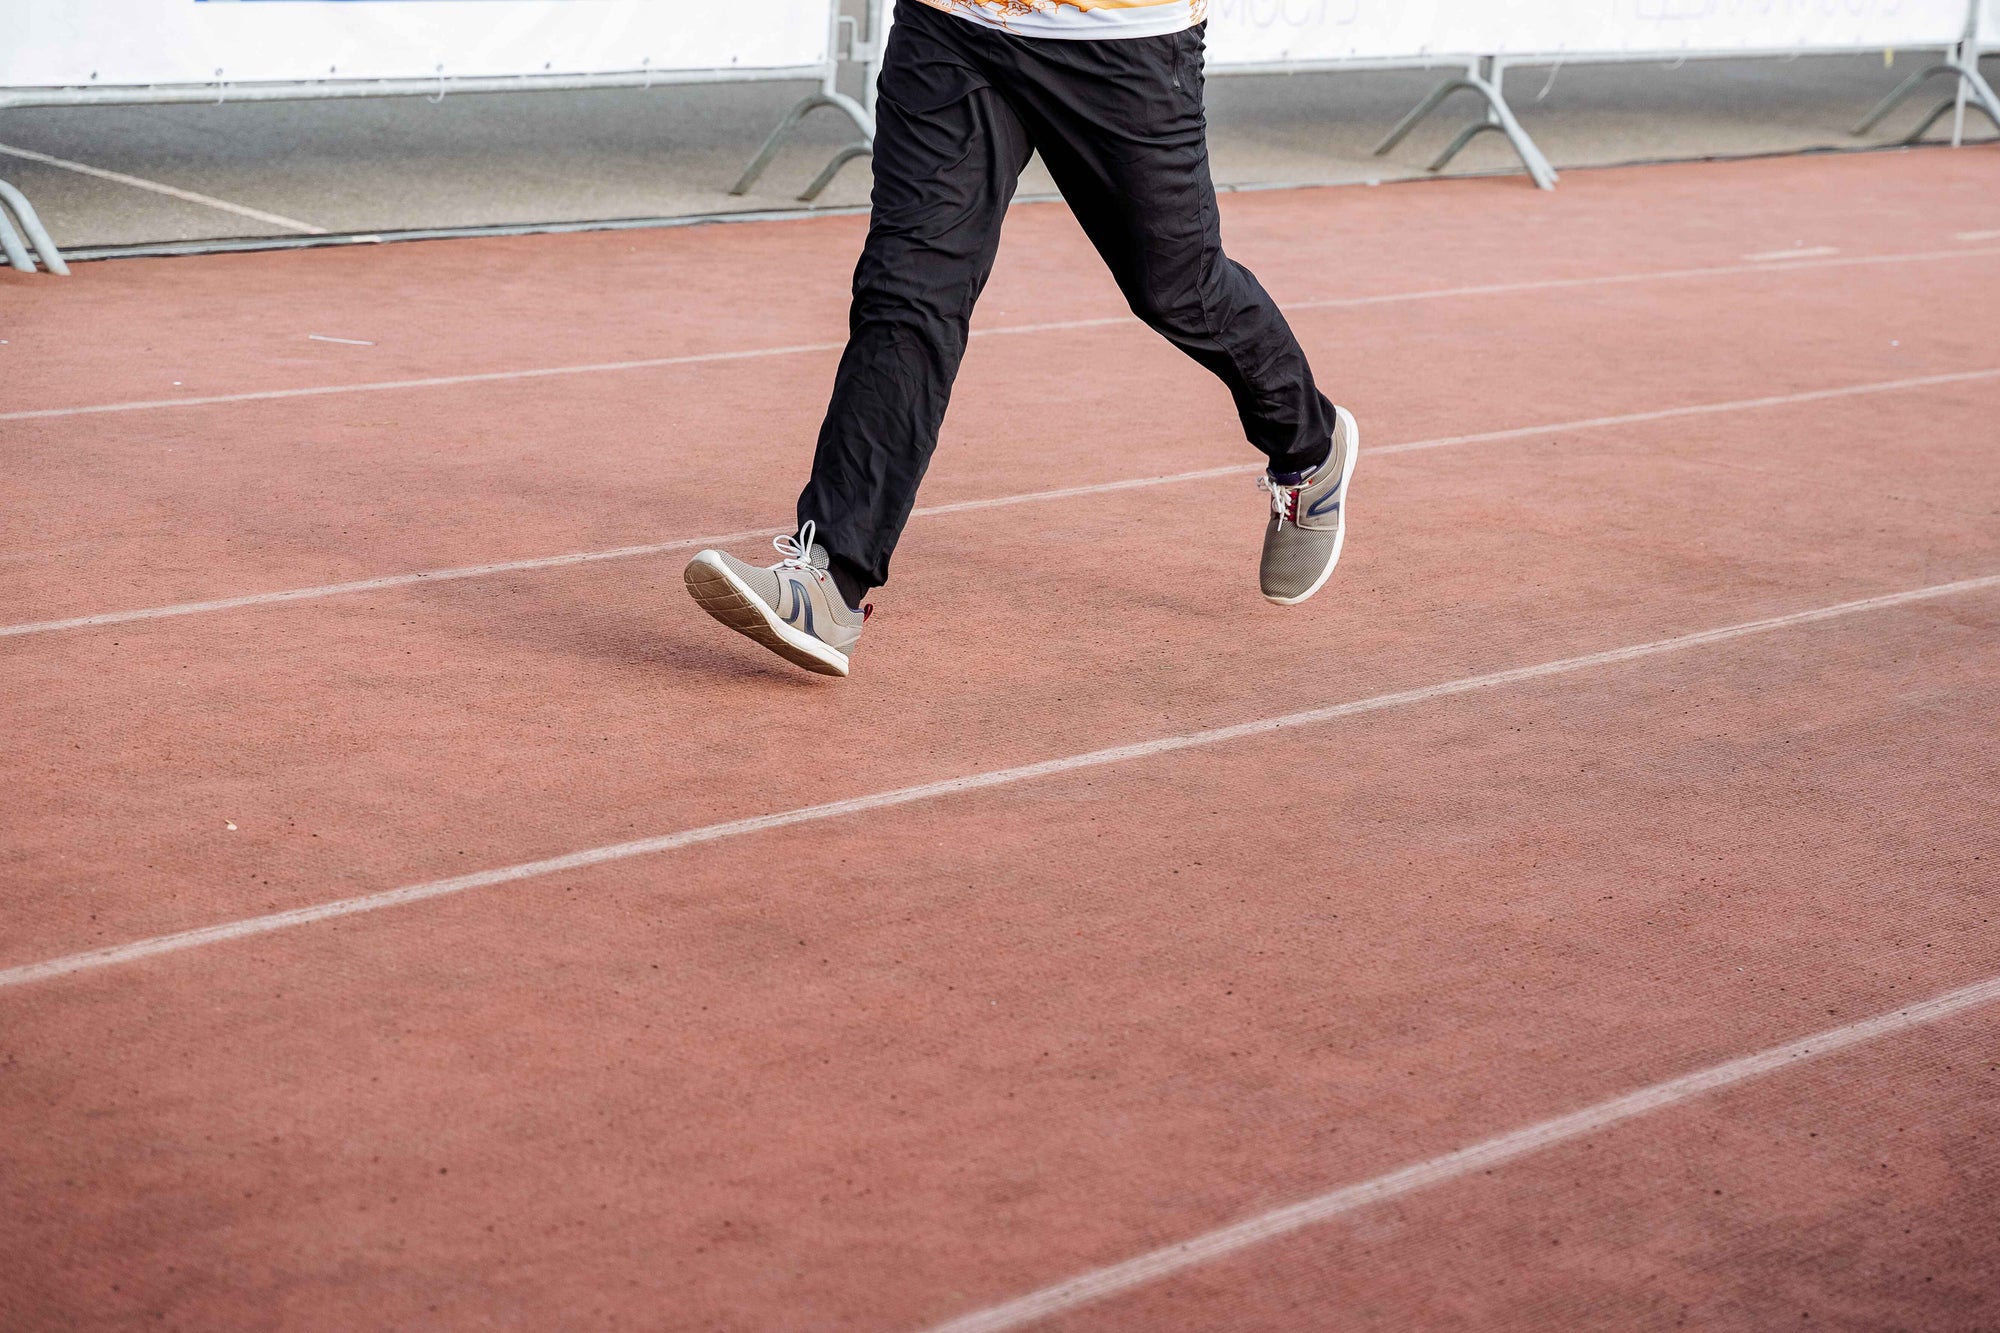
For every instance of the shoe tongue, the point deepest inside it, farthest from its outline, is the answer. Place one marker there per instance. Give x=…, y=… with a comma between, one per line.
x=820, y=559
x=1293, y=478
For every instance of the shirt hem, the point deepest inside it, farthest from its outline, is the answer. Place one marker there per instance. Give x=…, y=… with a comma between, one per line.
x=1080, y=28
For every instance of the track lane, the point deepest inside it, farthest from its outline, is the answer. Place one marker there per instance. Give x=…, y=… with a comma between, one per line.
x=219, y=503
x=509, y=721
x=902, y=1068
x=1843, y=1192
x=890, y=1070
x=444, y=308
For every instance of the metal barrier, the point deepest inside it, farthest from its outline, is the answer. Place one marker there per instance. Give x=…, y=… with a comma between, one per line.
x=826, y=71
x=13, y=202
x=862, y=41
x=1484, y=74
x=1962, y=63
x=1623, y=36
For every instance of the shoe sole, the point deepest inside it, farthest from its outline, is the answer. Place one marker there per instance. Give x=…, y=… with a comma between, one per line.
x=1340, y=533
x=724, y=596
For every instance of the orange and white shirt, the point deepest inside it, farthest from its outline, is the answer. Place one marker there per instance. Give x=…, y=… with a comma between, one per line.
x=1080, y=18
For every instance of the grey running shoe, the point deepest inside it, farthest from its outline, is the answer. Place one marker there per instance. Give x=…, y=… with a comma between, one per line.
x=792, y=608
x=1309, y=520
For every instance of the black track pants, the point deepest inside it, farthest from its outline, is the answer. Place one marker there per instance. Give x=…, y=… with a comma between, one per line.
x=1120, y=125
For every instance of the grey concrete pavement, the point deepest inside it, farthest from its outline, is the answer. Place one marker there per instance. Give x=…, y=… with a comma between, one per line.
x=362, y=166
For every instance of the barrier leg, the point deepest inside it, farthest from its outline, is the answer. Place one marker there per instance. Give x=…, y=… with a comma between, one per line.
x=11, y=247
x=1465, y=136
x=847, y=106
x=1972, y=89
x=1904, y=91
x=1539, y=169
x=832, y=169
x=1422, y=109
x=880, y=16
x=1951, y=105
x=1974, y=83
x=1483, y=78
x=12, y=200
x=771, y=143
x=842, y=34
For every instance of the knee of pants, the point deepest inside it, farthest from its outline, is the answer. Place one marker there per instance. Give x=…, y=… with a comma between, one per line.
x=913, y=338
x=1174, y=309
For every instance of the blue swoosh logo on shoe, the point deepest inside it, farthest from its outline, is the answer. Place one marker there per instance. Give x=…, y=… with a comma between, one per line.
x=1326, y=504
x=799, y=604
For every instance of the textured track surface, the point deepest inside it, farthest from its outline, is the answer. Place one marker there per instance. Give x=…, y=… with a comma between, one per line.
x=910, y=1059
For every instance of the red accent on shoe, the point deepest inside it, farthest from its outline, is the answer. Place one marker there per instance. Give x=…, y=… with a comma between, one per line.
x=867, y=610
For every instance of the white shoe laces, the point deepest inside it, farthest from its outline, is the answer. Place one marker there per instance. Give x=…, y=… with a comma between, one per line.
x=798, y=551
x=1284, y=499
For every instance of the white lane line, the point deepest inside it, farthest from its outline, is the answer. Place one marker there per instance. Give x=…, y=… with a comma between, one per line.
x=207, y=200
x=1806, y=252
x=347, y=342
x=578, y=557
x=429, y=382
x=1978, y=236
x=797, y=349
x=1626, y=279
x=1711, y=409
x=963, y=506
x=1483, y=1156
x=931, y=791
x=371, y=585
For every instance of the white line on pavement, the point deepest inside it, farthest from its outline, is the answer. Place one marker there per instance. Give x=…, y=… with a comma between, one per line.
x=1806, y=252
x=207, y=200
x=962, y=506
x=931, y=791
x=430, y=382
x=1483, y=1156
x=796, y=349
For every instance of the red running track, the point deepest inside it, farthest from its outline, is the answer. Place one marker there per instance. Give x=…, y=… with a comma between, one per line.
x=912, y=1061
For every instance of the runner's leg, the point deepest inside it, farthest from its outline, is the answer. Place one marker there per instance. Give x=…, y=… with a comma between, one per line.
x=1121, y=126
x=948, y=154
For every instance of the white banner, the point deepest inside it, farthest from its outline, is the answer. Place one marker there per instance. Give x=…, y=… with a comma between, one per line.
x=62, y=43
x=1246, y=32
